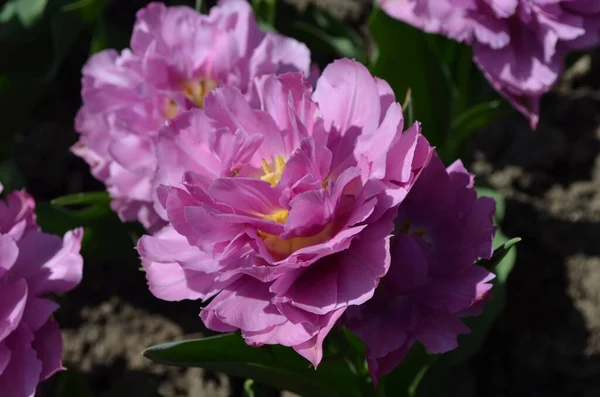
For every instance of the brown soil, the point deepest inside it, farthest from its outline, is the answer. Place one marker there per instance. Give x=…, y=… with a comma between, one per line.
x=547, y=342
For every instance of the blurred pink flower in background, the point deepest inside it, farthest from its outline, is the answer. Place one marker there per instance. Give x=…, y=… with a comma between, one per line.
x=283, y=213
x=442, y=228
x=520, y=45
x=33, y=264
x=177, y=56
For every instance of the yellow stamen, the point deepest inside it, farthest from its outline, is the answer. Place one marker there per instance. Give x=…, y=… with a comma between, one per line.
x=281, y=248
x=265, y=166
x=273, y=176
x=280, y=164
x=197, y=90
x=278, y=216
x=170, y=109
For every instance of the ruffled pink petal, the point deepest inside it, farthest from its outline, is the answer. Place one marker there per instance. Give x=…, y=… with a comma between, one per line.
x=8, y=253
x=175, y=270
x=22, y=375
x=312, y=350
x=13, y=299
x=48, y=347
x=348, y=98
x=438, y=332
x=350, y=278
x=38, y=312
x=245, y=304
x=49, y=263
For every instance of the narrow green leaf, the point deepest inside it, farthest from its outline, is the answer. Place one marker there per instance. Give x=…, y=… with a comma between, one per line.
x=55, y=220
x=99, y=37
x=11, y=177
x=468, y=122
x=407, y=108
x=87, y=10
x=498, y=198
x=325, y=35
x=266, y=12
x=248, y=391
x=27, y=11
x=417, y=68
x=499, y=254
x=87, y=198
x=85, y=207
x=339, y=46
x=405, y=378
x=276, y=366
x=475, y=117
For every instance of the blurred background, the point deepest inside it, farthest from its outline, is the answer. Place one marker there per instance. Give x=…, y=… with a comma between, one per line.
x=545, y=343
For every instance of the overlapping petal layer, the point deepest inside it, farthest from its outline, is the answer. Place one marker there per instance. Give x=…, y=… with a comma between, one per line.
x=32, y=264
x=177, y=56
x=442, y=228
x=283, y=213
x=520, y=45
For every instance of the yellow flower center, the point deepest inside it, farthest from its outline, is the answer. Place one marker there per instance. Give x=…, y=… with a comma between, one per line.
x=281, y=248
x=278, y=216
x=170, y=109
x=278, y=247
x=197, y=90
x=272, y=173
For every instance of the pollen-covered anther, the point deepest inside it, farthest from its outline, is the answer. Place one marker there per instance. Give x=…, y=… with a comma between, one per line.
x=272, y=173
x=197, y=90
x=278, y=216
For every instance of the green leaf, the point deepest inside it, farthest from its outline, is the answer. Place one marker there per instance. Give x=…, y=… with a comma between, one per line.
x=248, y=390
x=407, y=108
x=55, y=220
x=468, y=122
x=96, y=205
x=326, y=34
x=87, y=198
x=199, y=6
x=11, y=177
x=106, y=236
x=99, y=37
x=406, y=60
x=276, y=366
x=30, y=60
x=266, y=12
x=498, y=198
x=404, y=380
x=499, y=254
x=87, y=10
x=475, y=117
x=27, y=11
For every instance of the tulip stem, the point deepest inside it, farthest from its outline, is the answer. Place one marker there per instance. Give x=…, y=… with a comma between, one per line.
x=199, y=5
